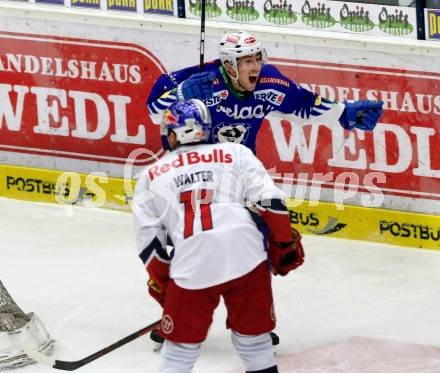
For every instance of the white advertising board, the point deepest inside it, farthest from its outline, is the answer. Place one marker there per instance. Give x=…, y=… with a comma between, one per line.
x=340, y=16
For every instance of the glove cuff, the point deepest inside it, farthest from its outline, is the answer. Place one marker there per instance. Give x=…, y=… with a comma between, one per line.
x=158, y=271
x=179, y=92
x=344, y=121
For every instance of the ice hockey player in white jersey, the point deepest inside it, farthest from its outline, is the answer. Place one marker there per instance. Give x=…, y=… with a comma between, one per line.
x=198, y=193
x=241, y=88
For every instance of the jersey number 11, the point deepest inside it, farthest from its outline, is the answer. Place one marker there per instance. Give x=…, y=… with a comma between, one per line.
x=197, y=200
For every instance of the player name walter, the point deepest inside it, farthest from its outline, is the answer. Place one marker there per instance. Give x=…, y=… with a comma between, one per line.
x=190, y=158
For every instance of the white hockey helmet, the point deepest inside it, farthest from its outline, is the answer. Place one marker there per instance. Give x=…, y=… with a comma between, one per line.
x=239, y=44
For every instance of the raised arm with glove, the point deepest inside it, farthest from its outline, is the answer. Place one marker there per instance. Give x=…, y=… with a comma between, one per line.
x=196, y=86
x=362, y=114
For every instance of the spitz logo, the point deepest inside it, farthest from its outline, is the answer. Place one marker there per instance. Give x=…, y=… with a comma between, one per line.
x=271, y=95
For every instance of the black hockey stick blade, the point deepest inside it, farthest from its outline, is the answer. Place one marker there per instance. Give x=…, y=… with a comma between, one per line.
x=73, y=365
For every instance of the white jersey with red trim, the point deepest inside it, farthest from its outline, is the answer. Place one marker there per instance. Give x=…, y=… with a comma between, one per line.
x=197, y=194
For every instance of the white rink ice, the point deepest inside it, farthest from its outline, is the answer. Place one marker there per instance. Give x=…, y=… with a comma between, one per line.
x=352, y=307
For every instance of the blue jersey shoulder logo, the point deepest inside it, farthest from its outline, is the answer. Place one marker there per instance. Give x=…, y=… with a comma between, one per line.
x=271, y=95
x=217, y=97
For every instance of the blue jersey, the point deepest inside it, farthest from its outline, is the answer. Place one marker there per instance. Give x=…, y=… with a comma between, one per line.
x=237, y=116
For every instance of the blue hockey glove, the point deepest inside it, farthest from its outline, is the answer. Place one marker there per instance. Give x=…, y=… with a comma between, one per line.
x=305, y=104
x=362, y=114
x=196, y=86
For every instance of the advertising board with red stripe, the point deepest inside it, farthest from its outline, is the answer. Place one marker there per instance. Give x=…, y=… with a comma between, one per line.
x=77, y=103
x=74, y=98
x=398, y=157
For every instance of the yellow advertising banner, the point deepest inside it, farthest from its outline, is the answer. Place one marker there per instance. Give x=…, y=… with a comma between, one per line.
x=41, y=185
x=367, y=224
x=352, y=222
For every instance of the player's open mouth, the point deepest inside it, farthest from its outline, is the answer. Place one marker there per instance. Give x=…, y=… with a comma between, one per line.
x=253, y=79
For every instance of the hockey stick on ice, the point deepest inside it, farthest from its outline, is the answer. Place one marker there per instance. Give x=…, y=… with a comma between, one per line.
x=73, y=365
x=202, y=34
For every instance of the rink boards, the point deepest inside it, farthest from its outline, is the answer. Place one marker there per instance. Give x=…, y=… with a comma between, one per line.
x=96, y=190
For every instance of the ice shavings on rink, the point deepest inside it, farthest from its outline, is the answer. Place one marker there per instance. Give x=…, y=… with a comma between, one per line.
x=352, y=307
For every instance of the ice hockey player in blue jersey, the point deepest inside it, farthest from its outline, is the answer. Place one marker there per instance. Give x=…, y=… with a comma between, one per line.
x=241, y=89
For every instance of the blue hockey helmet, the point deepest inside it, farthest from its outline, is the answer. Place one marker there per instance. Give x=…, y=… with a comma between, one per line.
x=190, y=120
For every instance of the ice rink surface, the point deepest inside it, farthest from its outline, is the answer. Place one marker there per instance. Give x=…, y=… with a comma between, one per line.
x=352, y=307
